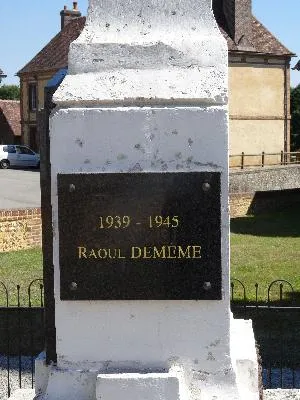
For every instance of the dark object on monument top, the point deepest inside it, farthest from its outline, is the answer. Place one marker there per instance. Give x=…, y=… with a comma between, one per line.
x=297, y=66
x=2, y=75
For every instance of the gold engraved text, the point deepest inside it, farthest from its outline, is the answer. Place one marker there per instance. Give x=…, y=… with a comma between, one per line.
x=124, y=221
x=158, y=221
x=166, y=252
x=145, y=252
x=114, y=222
x=104, y=253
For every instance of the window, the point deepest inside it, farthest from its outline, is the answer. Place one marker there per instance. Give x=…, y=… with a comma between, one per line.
x=24, y=150
x=32, y=96
x=9, y=149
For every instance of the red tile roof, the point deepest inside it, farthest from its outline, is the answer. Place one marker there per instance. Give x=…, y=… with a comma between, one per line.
x=55, y=54
x=11, y=112
x=263, y=41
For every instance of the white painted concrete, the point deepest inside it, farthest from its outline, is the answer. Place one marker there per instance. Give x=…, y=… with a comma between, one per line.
x=23, y=394
x=244, y=358
x=137, y=387
x=42, y=372
x=70, y=383
x=139, y=35
x=152, y=331
x=147, y=51
x=190, y=336
x=146, y=92
x=143, y=87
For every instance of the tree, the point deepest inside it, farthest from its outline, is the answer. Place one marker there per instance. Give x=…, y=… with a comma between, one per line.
x=295, y=121
x=10, y=92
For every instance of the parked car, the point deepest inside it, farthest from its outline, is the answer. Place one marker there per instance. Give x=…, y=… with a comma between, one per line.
x=18, y=156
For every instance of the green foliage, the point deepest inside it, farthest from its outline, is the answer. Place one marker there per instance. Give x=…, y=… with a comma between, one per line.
x=10, y=92
x=295, y=121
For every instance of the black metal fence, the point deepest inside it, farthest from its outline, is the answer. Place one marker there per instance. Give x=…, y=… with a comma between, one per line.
x=275, y=313
x=274, y=310
x=21, y=334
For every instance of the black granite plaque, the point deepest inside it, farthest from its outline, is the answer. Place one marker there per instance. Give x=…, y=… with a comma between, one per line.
x=140, y=236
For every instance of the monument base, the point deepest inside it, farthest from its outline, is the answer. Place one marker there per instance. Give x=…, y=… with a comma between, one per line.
x=244, y=358
x=72, y=382
x=137, y=386
x=24, y=394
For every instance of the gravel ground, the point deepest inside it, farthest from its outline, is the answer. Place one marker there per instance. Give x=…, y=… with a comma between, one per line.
x=281, y=394
x=26, y=379
x=14, y=374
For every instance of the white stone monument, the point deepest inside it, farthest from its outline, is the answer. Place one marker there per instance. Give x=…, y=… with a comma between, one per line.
x=146, y=92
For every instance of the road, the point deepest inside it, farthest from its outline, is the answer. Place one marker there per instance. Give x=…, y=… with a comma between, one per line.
x=19, y=189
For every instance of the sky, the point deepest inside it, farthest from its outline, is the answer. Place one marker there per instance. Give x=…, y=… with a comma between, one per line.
x=26, y=26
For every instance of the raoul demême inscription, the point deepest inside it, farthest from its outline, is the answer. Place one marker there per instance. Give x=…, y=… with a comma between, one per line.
x=136, y=252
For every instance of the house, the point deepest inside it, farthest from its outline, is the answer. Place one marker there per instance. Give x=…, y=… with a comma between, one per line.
x=259, y=79
x=10, y=126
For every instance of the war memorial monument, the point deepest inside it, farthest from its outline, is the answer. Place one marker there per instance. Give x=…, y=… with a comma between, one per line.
x=139, y=197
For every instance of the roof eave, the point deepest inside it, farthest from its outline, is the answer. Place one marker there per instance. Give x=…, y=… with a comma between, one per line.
x=21, y=74
x=257, y=53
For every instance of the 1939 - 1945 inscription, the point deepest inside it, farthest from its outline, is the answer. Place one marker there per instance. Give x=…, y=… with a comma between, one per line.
x=147, y=236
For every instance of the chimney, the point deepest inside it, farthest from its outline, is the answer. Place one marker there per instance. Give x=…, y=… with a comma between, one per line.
x=238, y=14
x=67, y=15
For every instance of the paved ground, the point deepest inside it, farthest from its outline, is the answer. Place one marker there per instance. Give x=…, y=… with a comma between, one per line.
x=19, y=188
x=14, y=382
x=281, y=394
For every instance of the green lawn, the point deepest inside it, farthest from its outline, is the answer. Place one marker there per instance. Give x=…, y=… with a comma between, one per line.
x=20, y=268
x=266, y=248
x=263, y=248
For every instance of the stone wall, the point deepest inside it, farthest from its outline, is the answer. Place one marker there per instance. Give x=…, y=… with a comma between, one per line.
x=239, y=204
x=264, y=190
x=265, y=179
x=20, y=229
x=242, y=204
